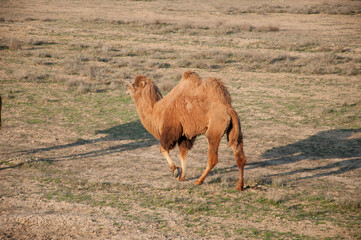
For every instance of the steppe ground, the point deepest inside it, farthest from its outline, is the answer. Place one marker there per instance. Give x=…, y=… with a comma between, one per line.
x=76, y=163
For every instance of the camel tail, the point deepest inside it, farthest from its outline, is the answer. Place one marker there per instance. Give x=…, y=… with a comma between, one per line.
x=234, y=133
x=235, y=139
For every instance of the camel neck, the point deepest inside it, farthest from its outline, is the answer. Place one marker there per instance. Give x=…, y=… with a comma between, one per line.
x=147, y=116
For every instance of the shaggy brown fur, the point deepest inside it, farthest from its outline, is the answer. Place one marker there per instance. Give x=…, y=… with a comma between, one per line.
x=192, y=108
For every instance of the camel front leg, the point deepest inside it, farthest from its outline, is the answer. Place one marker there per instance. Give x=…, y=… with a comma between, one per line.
x=172, y=166
x=183, y=151
x=184, y=145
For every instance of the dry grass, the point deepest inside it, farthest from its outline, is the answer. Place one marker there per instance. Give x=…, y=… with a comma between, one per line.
x=77, y=163
x=320, y=63
x=349, y=202
x=336, y=8
x=276, y=197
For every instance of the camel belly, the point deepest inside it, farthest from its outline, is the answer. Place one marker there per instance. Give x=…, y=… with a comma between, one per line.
x=194, y=118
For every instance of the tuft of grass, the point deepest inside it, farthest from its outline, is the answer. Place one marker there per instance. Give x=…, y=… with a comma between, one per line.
x=14, y=44
x=94, y=72
x=75, y=65
x=348, y=202
x=276, y=197
x=258, y=180
x=79, y=65
x=81, y=85
x=23, y=75
x=268, y=28
x=40, y=42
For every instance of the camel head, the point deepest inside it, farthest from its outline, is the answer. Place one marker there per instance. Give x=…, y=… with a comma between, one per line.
x=145, y=89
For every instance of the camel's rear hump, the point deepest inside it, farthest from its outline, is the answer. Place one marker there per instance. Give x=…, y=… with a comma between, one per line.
x=216, y=88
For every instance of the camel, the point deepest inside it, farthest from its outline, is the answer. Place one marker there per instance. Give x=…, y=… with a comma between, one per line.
x=192, y=108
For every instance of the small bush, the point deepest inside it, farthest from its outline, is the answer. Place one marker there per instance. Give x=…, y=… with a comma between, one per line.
x=15, y=44
x=94, y=72
x=116, y=84
x=259, y=180
x=37, y=42
x=220, y=57
x=200, y=63
x=79, y=45
x=348, y=202
x=87, y=87
x=74, y=65
x=276, y=197
x=268, y=28
x=351, y=70
x=122, y=63
x=103, y=51
x=44, y=55
x=81, y=85
x=167, y=85
x=23, y=75
x=122, y=75
x=233, y=28
x=183, y=62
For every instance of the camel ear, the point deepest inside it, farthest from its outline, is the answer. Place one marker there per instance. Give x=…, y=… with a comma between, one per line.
x=140, y=81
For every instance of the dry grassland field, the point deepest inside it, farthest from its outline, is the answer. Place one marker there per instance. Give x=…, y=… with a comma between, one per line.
x=76, y=163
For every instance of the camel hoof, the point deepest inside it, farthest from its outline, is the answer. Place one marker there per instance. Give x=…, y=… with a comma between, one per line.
x=177, y=172
x=198, y=182
x=182, y=179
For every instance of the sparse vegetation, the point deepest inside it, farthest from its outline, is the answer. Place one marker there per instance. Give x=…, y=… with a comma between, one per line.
x=75, y=162
x=15, y=44
x=339, y=8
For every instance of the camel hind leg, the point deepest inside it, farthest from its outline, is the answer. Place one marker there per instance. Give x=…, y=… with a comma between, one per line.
x=241, y=162
x=214, y=135
x=212, y=159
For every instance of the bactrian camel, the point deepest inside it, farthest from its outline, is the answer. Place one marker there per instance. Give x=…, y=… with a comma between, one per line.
x=191, y=108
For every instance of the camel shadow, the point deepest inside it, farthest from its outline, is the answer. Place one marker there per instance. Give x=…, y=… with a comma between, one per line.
x=340, y=144
x=128, y=131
